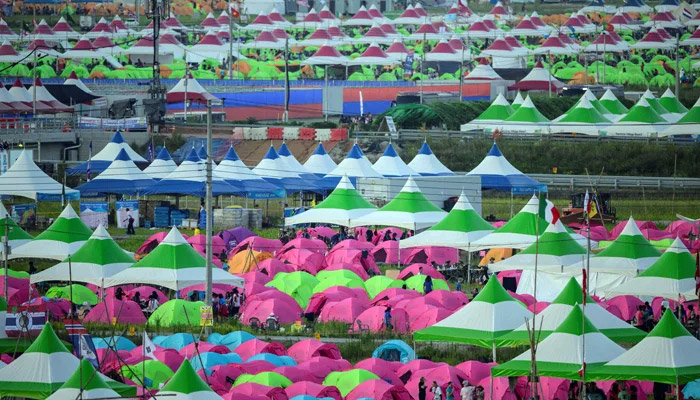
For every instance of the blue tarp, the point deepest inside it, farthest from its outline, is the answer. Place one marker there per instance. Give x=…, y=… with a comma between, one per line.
x=231, y=339
x=210, y=359
x=395, y=350
x=118, y=342
x=175, y=341
x=277, y=361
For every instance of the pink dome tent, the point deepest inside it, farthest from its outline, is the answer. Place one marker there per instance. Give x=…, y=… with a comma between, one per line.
x=287, y=312
x=430, y=254
x=386, y=370
x=379, y=390
x=373, y=317
x=249, y=348
x=475, y=370
x=391, y=296
x=305, y=349
x=125, y=312
x=428, y=317
x=304, y=260
x=331, y=295
x=314, y=390
x=253, y=390
x=258, y=244
x=273, y=266
x=347, y=310
x=322, y=366
x=420, y=268
x=315, y=245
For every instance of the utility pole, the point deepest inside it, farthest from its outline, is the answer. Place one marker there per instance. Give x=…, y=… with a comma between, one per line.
x=209, y=219
x=230, y=40
x=678, y=67
x=287, y=93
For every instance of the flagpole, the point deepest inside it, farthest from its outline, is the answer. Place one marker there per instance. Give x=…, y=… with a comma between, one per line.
x=143, y=365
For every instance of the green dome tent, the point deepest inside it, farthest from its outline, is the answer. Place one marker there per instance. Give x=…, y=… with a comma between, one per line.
x=176, y=312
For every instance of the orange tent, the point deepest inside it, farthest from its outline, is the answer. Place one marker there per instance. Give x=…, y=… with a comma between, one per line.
x=246, y=261
x=496, y=254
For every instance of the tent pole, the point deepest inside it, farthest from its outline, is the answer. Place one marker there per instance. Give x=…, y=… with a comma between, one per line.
x=209, y=219
x=493, y=355
x=5, y=241
x=511, y=203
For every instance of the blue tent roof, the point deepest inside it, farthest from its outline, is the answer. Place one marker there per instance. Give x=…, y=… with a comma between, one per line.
x=231, y=339
x=202, y=153
x=498, y=174
x=175, y=341
x=254, y=186
x=274, y=170
x=633, y=3
x=122, y=176
x=395, y=350
x=163, y=154
x=274, y=359
x=390, y=151
x=669, y=3
x=425, y=149
x=210, y=359
x=355, y=152
x=100, y=161
x=320, y=150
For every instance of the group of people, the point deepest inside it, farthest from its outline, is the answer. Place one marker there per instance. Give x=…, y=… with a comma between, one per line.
x=148, y=305
x=228, y=306
x=645, y=320
x=468, y=392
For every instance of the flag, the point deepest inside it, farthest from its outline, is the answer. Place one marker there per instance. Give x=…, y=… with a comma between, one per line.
x=234, y=11
x=29, y=322
x=79, y=337
x=89, y=159
x=582, y=371
x=586, y=205
x=571, y=28
x=548, y=211
x=148, y=347
x=150, y=151
x=584, y=285
x=687, y=13
x=593, y=207
x=609, y=27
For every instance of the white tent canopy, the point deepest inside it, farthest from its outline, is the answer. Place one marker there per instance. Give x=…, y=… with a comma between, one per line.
x=25, y=179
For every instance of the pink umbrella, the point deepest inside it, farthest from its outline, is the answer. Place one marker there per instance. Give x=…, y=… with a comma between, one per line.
x=386, y=252
x=199, y=243
x=313, y=389
x=420, y=268
x=145, y=291
x=315, y=245
x=333, y=294
x=378, y=390
x=109, y=360
x=476, y=370
x=373, y=317
x=273, y=266
x=429, y=317
x=627, y=305
x=346, y=311
x=287, y=312
x=203, y=347
x=525, y=298
x=405, y=372
x=305, y=349
x=510, y=274
x=359, y=270
x=304, y=259
x=320, y=367
x=392, y=293
x=252, y=347
x=382, y=368
x=258, y=244
x=125, y=311
x=447, y=299
x=255, y=277
x=541, y=305
x=428, y=255
x=254, y=389
x=294, y=374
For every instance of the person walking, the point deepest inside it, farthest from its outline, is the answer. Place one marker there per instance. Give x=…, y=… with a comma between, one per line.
x=449, y=391
x=437, y=391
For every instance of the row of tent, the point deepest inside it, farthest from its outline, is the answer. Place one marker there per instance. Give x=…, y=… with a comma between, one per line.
x=607, y=116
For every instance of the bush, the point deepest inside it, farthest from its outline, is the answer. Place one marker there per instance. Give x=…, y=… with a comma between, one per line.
x=323, y=125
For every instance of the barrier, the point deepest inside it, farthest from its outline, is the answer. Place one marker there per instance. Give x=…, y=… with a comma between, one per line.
x=291, y=133
x=237, y=133
x=258, y=133
x=339, y=134
x=275, y=133
x=323, y=135
x=307, y=134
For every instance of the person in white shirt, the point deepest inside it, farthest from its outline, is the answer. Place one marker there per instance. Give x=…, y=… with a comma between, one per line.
x=437, y=391
x=467, y=392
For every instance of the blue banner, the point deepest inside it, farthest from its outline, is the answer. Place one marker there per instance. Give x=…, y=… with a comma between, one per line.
x=267, y=195
x=24, y=214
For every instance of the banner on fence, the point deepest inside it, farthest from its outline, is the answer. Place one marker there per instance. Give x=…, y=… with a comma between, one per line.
x=125, y=209
x=126, y=123
x=94, y=213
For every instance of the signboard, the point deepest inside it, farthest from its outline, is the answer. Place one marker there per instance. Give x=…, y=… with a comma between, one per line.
x=24, y=214
x=125, y=123
x=408, y=65
x=4, y=161
x=125, y=209
x=206, y=315
x=390, y=124
x=267, y=195
x=94, y=213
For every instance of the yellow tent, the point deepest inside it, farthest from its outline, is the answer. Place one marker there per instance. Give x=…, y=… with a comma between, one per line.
x=246, y=261
x=496, y=254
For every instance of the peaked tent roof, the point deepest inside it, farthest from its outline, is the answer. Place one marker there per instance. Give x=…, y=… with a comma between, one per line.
x=519, y=232
x=355, y=165
x=517, y=101
x=275, y=170
x=17, y=235
x=64, y=237
x=427, y=164
x=612, y=104
x=43, y=368
x=669, y=101
x=563, y=353
x=669, y=354
x=25, y=179
x=320, y=163
x=491, y=314
x=551, y=317
x=641, y=119
x=409, y=210
x=527, y=113
x=689, y=124
x=121, y=177
x=85, y=383
x=189, y=89
x=460, y=227
x=340, y=207
x=498, y=111
x=499, y=174
x=555, y=250
x=161, y=166
x=583, y=117
x=671, y=276
x=99, y=258
x=232, y=169
x=187, y=385
x=173, y=264
x=189, y=178
x=538, y=79
x=100, y=161
x=391, y=165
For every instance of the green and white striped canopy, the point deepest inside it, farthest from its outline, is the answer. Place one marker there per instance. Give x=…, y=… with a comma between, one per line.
x=612, y=104
x=409, y=210
x=517, y=101
x=482, y=322
x=629, y=254
x=527, y=113
x=554, y=250
x=173, y=264
x=519, y=232
x=563, y=354
x=671, y=276
x=64, y=237
x=339, y=208
x=85, y=383
x=669, y=101
x=669, y=354
x=551, y=317
x=497, y=112
x=99, y=258
x=17, y=236
x=458, y=229
x=187, y=385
